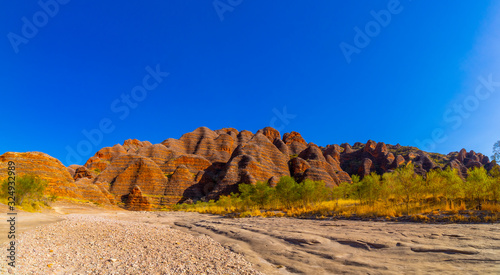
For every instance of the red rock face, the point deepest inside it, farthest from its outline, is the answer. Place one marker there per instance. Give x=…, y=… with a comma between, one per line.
x=206, y=143
x=298, y=166
x=385, y=158
x=126, y=171
x=158, y=153
x=256, y=160
x=295, y=142
x=400, y=160
x=135, y=201
x=60, y=181
x=370, y=146
x=103, y=157
x=464, y=161
x=333, y=151
x=182, y=184
x=83, y=172
x=132, y=145
x=205, y=164
x=320, y=168
x=366, y=168
x=93, y=192
x=270, y=133
x=194, y=163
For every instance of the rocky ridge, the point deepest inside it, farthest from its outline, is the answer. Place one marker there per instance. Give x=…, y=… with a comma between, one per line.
x=205, y=164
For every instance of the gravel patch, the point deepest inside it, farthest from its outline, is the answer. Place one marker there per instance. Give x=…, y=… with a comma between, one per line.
x=84, y=244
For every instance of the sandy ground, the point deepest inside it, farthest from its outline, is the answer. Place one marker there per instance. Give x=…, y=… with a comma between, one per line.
x=297, y=246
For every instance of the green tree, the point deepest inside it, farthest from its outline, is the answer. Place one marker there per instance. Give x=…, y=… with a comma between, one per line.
x=409, y=184
x=435, y=183
x=370, y=187
x=286, y=191
x=28, y=188
x=453, y=185
x=494, y=188
x=390, y=187
x=312, y=191
x=355, y=188
x=343, y=191
x=477, y=184
x=259, y=194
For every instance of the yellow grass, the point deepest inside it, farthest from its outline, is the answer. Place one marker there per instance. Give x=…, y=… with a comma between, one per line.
x=347, y=208
x=491, y=207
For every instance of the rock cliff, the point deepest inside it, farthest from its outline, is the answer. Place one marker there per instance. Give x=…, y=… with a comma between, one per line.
x=205, y=164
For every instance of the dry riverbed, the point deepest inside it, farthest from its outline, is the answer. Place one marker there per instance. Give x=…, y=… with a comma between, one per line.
x=96, y=241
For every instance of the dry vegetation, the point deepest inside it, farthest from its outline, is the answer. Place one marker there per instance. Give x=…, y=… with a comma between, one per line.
x=440, y=196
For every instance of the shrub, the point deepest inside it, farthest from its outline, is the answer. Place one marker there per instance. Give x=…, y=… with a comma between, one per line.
x=29, y=189
x=477, y=184
x=370, y=188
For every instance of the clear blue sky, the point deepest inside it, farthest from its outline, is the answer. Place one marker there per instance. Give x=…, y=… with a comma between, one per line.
x=231, y=66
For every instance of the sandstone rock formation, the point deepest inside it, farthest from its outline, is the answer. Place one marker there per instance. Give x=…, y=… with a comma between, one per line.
x=135, y=201
x=127, y=171
x=382, y=158
x=205, y=164
x=83, y=172
x=295, y=142
x=88, y=190
x=60, y=182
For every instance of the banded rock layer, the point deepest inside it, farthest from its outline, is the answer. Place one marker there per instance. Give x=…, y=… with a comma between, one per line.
x=60, y=182
x=205, y=164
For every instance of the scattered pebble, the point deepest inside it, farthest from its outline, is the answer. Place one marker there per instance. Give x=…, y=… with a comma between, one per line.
x=84, y=244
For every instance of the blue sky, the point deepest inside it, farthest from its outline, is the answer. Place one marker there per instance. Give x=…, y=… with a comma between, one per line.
x=99, y=67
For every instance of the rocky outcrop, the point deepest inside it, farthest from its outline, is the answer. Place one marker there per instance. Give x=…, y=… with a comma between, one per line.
x=382, y=158
x=270, y=133
x=136, y=201
x=183, y=184
x=256, y=160
x=320, y=168
x=88, y=190
x=60, y=182
x=158, y=153
x=205, y=164
x=194, y=163
x=295, y=142
x=83, y=172
x=366, y=167
x=103, y=157
x=462, y=161
x=126, y=171
x=206, y=143
x=72, y=169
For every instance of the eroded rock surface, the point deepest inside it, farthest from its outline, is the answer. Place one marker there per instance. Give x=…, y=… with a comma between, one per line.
x=206, y=164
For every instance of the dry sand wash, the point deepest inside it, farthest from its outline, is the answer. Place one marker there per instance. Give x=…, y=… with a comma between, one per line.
x=272, y=245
